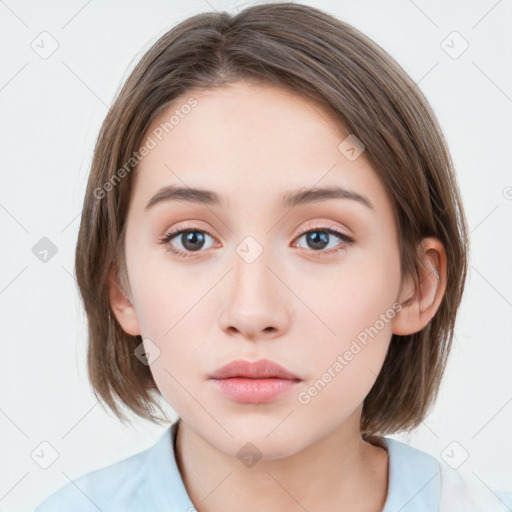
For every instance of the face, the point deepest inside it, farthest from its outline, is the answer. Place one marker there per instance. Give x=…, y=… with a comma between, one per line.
x=308, y=281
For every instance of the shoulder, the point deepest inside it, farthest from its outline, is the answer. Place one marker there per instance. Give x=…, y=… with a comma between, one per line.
x=102, y=489
x=418, y=478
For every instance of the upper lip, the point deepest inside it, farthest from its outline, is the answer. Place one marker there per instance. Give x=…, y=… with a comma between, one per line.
x=263, y=369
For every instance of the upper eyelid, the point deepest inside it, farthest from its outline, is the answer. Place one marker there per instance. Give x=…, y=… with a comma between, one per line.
x=322, y=227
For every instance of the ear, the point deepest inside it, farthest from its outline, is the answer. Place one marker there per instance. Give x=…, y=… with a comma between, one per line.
x=420, y=303
x=121, y=306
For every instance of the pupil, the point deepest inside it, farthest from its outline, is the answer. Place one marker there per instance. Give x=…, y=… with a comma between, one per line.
x=318, y=239
x=189, y=239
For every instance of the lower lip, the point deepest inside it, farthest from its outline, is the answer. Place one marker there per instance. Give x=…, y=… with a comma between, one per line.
x=253, y=391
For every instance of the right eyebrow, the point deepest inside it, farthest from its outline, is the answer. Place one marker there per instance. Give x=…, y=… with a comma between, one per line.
x=178, y=193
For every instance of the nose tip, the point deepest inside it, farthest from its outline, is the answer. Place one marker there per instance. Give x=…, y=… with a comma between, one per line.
x=252, y=305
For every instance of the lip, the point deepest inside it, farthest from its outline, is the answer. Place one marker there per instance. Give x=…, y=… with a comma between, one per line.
x=253, y=382
x=261, y=369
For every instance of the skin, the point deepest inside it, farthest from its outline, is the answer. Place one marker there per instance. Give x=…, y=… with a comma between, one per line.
x=296, y=304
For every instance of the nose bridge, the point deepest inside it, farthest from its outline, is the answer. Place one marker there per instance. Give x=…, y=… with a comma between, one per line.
x=251, y=272
x=254, y=301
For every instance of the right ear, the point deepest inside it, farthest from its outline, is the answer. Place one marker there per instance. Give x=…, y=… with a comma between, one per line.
x=121, y=306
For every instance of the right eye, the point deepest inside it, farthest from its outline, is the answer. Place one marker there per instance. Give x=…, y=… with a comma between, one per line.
x=191, y=241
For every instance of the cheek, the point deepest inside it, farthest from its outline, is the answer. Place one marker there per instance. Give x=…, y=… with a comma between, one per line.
x=343, y=368
x=357, y=307
x=168, y=298
x=351, y=297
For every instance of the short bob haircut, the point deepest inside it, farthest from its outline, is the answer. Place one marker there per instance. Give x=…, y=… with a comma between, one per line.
x=319, y=57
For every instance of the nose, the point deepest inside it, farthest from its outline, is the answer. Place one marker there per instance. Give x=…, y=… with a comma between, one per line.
x=255, y=303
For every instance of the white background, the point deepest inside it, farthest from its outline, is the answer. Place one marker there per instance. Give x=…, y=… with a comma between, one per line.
x=51, y=111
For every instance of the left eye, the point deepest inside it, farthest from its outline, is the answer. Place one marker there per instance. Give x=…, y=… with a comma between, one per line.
x=320, y=238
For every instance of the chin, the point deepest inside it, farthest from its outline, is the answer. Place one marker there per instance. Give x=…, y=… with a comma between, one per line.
x=265, y=436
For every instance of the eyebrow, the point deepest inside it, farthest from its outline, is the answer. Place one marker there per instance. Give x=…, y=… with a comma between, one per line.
x=290, y=199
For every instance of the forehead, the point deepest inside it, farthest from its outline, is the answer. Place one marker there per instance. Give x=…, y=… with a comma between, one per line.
x=248, y=141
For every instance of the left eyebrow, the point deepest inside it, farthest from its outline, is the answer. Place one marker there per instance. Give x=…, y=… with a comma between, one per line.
x=290, y=199
x=314, y=195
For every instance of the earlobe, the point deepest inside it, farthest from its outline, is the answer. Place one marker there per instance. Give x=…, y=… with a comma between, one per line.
x=421, y=301
x=122, y=307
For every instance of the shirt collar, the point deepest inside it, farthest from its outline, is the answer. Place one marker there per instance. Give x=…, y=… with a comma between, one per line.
x=166, y=484
x=414, y=479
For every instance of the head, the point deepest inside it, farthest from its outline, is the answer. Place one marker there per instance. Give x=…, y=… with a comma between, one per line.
x=355, y=291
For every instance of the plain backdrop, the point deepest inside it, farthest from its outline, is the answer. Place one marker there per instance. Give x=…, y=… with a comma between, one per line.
x=52, y=107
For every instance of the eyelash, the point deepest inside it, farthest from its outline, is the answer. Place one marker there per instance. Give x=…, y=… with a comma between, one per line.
x=166, y=239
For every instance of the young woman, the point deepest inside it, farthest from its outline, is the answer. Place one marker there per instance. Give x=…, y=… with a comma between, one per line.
x=273, y=241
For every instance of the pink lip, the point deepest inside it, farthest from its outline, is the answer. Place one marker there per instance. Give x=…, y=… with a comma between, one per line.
x=258, y=382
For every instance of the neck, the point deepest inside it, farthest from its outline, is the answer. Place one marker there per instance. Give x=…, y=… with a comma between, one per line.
x=337, y=472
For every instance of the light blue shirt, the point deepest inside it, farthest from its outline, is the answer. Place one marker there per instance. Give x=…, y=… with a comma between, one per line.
x=150, y=481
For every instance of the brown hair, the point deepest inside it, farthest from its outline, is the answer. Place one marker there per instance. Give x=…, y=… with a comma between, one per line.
x=322, y=58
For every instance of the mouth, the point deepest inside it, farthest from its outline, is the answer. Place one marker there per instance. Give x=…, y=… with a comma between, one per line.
x=253, y=382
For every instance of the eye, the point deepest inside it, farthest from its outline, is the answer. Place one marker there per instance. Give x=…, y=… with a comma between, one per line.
x=191, y=241
x=321, y=237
